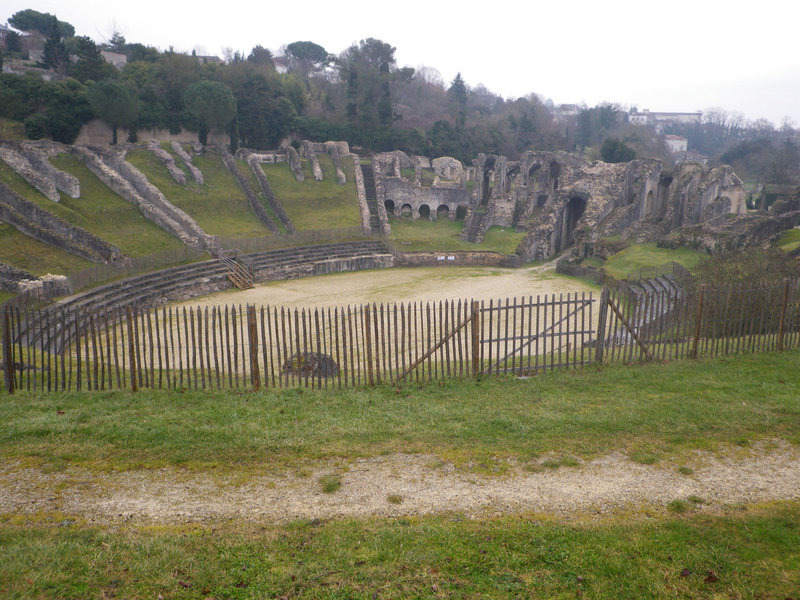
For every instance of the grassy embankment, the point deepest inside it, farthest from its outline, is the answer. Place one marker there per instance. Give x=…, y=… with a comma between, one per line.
x=98, y=210
x=654, y=413
x=312, y=204
x=219, y=206
x=643, y=256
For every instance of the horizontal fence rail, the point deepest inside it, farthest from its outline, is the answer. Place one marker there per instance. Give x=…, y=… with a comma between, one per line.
x=224, y=347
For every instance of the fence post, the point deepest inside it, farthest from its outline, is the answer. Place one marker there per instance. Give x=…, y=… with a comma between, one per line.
x=252, y=330
x=783, y=316
x=476, y=339
x=696, y=342
x=601, y=325
x=368, y=343
x=132, y=352
x=8, y=350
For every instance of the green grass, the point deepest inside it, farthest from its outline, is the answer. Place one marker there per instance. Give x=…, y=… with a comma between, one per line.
x=789, y=240
x=36, y=257
x=654, y=412
x=642, y=256
x=736, y=554
x=106, y=214
x=219, y=206
x=442, y=235
x=312, y=204
x=12, y=130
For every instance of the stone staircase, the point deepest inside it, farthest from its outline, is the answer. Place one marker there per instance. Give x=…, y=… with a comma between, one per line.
x=240, y=268
x=372, y=197
x=474, y=231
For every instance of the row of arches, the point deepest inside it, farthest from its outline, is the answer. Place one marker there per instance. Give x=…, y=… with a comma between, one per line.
x=424, y=211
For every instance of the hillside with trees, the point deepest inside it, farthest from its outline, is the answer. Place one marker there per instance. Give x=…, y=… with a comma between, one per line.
x=360, y=95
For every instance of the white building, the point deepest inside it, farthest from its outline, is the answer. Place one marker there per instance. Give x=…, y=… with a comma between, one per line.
x=676, y=143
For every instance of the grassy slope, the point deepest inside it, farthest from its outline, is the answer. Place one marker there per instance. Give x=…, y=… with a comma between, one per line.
x=107, y=215
x=641, y=256
x=653, y=412
x=98, y=210
x=37, y=258
x=661, y=411
x=315, y=204
x=789, y=240
x=219, y=206
x=442, y=234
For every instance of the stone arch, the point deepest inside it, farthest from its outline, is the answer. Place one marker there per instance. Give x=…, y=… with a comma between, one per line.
x=511, y=176
x=461, y=212
x=389, y=204
x=488, y=173
x=424, y=211
x=541, y=200
x=442, y=211
x=406, y=210
x=532, y=173
x=573, y=211
x=648, y=204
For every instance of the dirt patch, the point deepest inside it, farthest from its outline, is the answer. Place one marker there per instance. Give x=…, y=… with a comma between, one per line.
x=406, y=484
x=402, y=285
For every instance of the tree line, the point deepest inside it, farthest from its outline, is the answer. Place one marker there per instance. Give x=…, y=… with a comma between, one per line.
x=360, y=95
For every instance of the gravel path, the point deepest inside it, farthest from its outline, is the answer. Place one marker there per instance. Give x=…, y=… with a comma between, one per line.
x=406, y=484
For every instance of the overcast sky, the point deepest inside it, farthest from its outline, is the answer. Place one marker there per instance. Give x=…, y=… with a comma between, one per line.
x=685, y=55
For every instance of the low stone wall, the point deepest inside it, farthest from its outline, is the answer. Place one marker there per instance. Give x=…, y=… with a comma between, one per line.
x=197, y=175
x=44, y=226
x=166, y=159
x=362, y=194
x=311, y=156
x=322, y=267
x=255, y=205
x=459, y=259
x=269, y=194
x=23, y=167
x=96, y=132
x=11, y=276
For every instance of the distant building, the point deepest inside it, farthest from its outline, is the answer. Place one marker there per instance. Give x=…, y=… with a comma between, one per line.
x=659, y=119
x=562, y=112
x=676, y=143
x=114, y=58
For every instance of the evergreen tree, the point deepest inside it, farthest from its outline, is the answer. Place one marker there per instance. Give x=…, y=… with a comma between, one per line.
x=114, y=103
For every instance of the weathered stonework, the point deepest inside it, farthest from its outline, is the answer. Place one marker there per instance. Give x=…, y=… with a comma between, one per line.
x=130, y=183
x=166, y=159
x=23, y=167
x=197, y=175
x=460, y=258
x=255, y=205
x=362, y=194
x=564, y=201
x=255, y=165
x=46, y=227
x=294, y=163
x=311, y=156
x=400, y=196
x=10, y=277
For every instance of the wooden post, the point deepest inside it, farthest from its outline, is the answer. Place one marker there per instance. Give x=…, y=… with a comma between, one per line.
x=132, y=352
x=697, y=323
x=601, y=325
x=783, y=316
x=7, y=351
x=368, y=344
x=255, y=375
x=476, y=339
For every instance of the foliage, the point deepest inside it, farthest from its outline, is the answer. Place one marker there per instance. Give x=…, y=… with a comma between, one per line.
x=90, y=64
x=33, y=20
x=458, y=94
x=212, y=106
x=55, y=54
x=114, y=103
x=260, y=56
x=766, y=160
x=614, y=150
x=751, y=266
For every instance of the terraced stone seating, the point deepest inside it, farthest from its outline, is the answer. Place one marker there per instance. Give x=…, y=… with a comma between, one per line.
x=188, y=281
